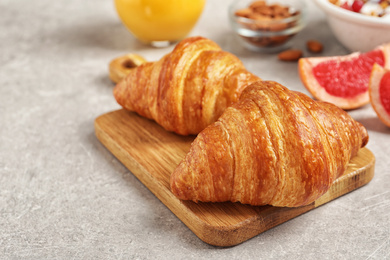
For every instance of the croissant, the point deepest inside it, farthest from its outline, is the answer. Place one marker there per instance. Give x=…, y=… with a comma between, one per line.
x=274, y=146
x=187, y=89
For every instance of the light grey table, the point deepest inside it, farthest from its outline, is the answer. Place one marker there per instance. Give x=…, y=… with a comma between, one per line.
x=64, y=196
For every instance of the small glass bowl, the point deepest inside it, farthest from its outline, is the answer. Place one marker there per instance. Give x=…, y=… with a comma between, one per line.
x=268, y=35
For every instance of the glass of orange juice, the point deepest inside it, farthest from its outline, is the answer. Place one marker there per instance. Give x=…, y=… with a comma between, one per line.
x=159, y=22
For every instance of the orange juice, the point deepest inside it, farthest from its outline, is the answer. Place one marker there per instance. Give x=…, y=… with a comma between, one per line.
x=159, y=20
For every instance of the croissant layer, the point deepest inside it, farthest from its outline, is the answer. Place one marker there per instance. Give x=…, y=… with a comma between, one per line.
x=274, y=146
x=187, y=89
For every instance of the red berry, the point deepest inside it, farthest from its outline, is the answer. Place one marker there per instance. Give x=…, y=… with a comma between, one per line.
x=357, y=5
x=346, y=6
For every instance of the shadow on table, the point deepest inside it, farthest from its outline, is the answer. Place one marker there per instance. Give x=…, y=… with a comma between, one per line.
x=374, y=124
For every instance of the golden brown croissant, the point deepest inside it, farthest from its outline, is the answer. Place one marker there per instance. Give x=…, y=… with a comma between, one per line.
x=186, y=90
x=274, y=146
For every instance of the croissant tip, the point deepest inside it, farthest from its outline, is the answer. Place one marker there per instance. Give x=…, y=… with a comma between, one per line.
x=174, y=183
x=365, y=136
x=117, y=91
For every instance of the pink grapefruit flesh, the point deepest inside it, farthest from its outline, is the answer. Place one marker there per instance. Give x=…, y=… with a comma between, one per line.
x=384, y=90
x=379, y=92
x=342, y=80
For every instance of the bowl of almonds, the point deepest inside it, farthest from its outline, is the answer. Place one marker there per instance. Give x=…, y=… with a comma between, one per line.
x=267, y=25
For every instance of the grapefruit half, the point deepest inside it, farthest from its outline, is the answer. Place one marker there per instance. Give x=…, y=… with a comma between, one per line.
x=342, y=80
x=379, y=92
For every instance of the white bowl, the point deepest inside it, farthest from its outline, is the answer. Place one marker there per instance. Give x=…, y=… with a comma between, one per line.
x=357, y=32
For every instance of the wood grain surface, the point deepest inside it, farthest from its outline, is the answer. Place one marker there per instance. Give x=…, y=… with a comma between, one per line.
x=151, y=154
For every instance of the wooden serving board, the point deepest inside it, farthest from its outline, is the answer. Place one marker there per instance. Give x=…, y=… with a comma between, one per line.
x=151, y=154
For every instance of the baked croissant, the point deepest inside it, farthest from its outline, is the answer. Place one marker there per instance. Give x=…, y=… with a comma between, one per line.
x=186, y=90
x=274, y=146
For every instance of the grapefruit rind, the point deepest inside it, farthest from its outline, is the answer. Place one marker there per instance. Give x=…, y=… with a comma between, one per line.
x=305, y=68
x=377, y=74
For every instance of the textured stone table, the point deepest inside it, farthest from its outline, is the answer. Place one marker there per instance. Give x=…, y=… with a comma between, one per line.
x=64, y=196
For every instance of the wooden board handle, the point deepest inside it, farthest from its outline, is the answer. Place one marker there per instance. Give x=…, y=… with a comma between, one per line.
x=121, y=66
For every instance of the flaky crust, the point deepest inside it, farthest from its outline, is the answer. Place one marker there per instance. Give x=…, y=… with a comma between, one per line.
x=186, y=90
x=274, y=146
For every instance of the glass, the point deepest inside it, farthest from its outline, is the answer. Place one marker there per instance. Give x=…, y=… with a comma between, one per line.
x=159, y=22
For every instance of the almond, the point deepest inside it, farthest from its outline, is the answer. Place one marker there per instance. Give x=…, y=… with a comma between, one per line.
x=245, y=12
x=314, y=46
x=257, y=4
x=290, y=55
